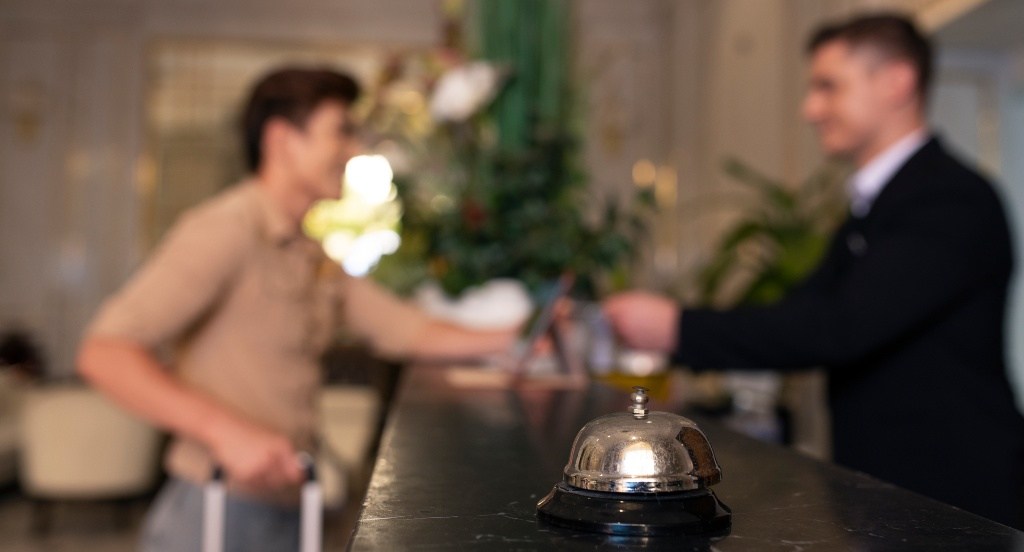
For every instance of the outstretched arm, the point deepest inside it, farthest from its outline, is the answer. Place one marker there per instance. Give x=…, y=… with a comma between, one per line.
x=443, y=341
x=396, y=328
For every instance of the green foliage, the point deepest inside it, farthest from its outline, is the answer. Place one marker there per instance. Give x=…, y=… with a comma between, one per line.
x=514, y=200
x=523, y=219
x=779, y=237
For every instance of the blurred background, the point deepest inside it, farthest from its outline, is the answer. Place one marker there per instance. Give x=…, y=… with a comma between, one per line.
x=679, y=121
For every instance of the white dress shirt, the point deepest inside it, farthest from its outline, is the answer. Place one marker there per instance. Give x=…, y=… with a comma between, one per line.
x=865, y=184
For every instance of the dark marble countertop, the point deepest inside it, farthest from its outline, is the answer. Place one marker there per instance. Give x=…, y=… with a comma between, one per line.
x=462, y=468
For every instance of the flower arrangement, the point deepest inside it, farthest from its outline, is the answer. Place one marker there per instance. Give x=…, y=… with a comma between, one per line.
x=486, y=165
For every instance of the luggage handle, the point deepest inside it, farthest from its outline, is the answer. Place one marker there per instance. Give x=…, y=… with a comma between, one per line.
x=311, y=512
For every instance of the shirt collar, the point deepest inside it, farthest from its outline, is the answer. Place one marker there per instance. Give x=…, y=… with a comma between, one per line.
x=869, y=181
x=278, y=226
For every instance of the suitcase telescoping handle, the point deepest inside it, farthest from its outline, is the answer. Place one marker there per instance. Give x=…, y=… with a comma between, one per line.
x=311, y=520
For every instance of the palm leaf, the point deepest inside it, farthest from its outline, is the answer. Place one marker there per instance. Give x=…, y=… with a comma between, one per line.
x=787, y=224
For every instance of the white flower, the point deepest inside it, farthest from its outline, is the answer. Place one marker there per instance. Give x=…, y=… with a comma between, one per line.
x=463, y=91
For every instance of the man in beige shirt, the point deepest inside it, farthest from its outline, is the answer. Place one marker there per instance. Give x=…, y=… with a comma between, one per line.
x=217, y=337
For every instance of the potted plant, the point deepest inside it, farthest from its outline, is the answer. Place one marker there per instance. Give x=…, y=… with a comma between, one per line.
x=496, y=190
x=778, y=238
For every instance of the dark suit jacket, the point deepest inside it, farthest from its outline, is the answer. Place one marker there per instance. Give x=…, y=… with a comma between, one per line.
x=907, y=313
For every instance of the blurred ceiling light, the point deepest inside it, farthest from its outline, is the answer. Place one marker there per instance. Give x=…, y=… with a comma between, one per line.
x=644, y=173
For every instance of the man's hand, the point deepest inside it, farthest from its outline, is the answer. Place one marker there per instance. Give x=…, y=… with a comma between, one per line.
x=644, y=320
x=252, y=456
x=127, y=372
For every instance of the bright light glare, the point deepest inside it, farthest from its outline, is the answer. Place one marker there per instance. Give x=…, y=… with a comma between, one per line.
x=362, y=256
x=338, y=244
x=369, y=177
x=638, y=459
x=360, y=227
x=385, y=240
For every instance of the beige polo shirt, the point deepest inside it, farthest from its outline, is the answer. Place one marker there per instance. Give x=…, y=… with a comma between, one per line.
x=245, y=305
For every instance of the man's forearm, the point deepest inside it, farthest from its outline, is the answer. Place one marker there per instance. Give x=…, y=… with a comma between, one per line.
x=254, y=456
x=133, y=378
x=443, y=341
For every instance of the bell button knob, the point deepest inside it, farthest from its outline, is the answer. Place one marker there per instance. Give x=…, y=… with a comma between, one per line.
x=639, y=406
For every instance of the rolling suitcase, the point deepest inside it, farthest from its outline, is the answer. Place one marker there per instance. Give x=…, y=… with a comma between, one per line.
x=311, y=512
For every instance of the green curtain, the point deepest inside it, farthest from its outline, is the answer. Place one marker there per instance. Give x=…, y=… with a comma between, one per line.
x=530, y=38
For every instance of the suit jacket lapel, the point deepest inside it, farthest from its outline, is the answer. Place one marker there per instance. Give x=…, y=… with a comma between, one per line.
x=907, y=181
x=854, y=236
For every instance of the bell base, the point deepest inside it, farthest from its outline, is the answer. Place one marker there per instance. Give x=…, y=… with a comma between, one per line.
x=695, y=512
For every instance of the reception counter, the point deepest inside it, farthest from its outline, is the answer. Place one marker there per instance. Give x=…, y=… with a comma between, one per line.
x=462, y=466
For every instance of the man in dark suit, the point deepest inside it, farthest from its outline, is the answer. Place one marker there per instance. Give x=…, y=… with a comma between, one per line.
x=907, y=308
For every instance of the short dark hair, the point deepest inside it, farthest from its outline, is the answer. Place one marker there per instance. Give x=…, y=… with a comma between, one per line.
x=895, y=35
x=292, y=93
